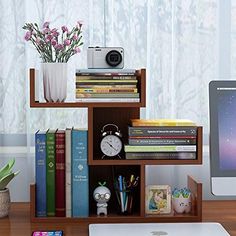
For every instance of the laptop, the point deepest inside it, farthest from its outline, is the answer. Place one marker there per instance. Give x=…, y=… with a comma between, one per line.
x=158, y=229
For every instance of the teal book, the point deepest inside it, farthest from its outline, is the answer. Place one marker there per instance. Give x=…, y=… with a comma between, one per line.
x=50, y=172
x=79, y=175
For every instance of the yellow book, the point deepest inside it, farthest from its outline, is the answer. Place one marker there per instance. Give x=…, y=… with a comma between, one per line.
x=162, y=122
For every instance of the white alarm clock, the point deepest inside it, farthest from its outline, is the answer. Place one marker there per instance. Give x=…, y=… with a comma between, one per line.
x=111, y=144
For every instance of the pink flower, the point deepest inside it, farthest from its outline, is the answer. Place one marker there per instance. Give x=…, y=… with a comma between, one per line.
x=49, y=37
x=59, y=46
x=46, y=24
x=67, y=42
x=77, y=50
x=75, y=37
x=54, y=32
x=80, y=23
x=28, y=35
x=46, y=31
x=54, y=43
x=64, y=29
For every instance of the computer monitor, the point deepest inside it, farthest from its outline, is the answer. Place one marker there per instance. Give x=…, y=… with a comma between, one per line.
x=222, y=100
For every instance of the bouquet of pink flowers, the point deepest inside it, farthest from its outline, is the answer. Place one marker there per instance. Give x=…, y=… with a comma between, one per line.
x=52, y=45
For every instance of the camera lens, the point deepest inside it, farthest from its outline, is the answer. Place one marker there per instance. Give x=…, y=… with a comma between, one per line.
x=113, y=58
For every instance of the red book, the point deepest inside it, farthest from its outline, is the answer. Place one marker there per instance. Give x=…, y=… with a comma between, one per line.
x=60, y=174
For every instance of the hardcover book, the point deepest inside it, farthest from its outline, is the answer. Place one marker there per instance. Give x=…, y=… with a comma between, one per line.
x=101, y=77
x=103, y=71
x=107, y=95
x=161, y=141
x=160, y=155
x=40, y=170
x=108, y=100
x=166, y=148
x=50, y=183
x=162, y=122
x=80, y=185
x=164, y=132
x=60, y=174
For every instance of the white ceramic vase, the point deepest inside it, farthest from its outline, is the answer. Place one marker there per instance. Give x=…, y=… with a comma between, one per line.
x=54, y=81
x=4, y=202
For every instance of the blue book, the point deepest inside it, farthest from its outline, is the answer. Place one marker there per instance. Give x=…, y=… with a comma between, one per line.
x=40, y=170
x=79, y=175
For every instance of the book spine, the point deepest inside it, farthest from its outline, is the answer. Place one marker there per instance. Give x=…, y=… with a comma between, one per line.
x=68, y=172
x=108, y=90
x=40, y=170
x=50, y=149
x=108, y=80
x=105, y=82
x=104, y=77
x=160, y=156
x=106, y=72
x=107, y=100
x=159, y=141
x=163, y=131
x=107, y=95
x=121, y=86
x=80, y=189
x=170, y=148
x=60, y=174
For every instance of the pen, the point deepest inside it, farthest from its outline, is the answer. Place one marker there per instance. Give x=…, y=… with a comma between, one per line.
x=117, y=188
x=121, y=194
x=124, y=193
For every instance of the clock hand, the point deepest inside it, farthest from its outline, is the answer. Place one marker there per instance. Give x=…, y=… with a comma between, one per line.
x=111, y=146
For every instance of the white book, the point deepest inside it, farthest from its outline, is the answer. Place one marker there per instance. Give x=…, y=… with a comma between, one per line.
x=107, y=71
x=68, y=172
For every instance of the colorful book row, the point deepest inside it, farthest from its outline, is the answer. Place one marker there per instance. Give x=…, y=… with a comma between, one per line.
x=61, y=173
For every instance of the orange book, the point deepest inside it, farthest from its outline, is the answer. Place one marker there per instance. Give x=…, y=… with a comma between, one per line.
x=162, y=122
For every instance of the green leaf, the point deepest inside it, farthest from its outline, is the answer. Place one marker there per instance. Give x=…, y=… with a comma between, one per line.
x=5, y=170
x=6, y=179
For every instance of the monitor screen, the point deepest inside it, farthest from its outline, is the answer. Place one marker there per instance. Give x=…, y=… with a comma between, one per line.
x=227, y=127
x=222, y=101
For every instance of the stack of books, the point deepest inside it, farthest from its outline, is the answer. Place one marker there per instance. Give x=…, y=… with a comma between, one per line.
x=161, y=139
x=106, y=85
x=61, y=173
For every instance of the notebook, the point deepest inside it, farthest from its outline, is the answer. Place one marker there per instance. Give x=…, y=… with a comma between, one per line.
x=157, y=229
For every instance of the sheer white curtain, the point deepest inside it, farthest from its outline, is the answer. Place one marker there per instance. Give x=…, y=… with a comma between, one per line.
x=179, y=42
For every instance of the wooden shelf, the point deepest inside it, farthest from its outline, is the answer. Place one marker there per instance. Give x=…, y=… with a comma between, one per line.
x=194, y=216
x=146, y=162
x=120, y=114
x=121, y=117
x=141, y=75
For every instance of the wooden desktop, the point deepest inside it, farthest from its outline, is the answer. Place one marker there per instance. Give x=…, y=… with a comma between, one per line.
x=18, y=223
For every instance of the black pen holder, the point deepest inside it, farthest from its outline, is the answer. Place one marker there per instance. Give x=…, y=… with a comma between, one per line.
x=125, y=201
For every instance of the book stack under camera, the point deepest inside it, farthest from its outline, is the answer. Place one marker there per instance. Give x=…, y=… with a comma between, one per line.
x=61, y=173
x=161, y=139
x=106, y=85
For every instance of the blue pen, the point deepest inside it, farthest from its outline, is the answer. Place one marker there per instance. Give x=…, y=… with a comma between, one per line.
x=121, y=194
x=124, y=194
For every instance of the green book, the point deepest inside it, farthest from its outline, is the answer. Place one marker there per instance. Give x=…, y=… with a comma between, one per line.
x=164, y=148
x=50, y=172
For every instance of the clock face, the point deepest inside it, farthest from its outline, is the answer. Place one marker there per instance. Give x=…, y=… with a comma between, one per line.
x=111, y=145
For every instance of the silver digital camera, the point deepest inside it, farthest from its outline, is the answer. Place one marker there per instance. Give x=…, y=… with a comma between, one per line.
x=105, y=57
